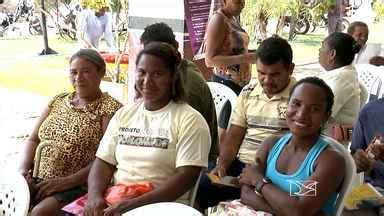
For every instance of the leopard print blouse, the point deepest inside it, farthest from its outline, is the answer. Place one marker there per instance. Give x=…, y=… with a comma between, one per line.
x=73, y=134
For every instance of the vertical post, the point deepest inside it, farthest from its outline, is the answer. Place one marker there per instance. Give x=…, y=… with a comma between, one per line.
x=46, y=50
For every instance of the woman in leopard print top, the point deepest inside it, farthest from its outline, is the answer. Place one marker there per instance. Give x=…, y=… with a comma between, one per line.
x=70, y=129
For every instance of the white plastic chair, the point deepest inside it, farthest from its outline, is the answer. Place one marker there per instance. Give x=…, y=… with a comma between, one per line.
x=38, y=152
x=14, y=194
x=365, y=76
x=350, y=173
x=372, y=78
x=376, y=90
x=164, y=208
x=221, y=93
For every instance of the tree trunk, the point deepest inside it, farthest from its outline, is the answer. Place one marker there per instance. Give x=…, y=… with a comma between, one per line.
x=280, y=25
x=292, y=26
x=262, y=23
x=46, y=50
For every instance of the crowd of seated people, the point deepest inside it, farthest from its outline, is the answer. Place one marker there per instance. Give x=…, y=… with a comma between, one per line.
x=170, y=133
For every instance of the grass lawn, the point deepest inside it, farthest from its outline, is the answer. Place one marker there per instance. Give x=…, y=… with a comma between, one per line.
x=43, y=75
x=22, y=68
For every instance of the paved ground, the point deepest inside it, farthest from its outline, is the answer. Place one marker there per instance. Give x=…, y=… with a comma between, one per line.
x=18, y=114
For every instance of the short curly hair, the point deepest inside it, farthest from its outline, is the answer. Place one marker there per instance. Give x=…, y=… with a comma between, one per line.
x=159, y=32
x=275, y=49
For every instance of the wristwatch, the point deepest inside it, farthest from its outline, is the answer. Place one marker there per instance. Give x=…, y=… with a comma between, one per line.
x=259, y=186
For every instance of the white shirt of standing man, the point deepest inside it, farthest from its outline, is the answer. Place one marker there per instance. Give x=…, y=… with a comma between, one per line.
x=91, y=27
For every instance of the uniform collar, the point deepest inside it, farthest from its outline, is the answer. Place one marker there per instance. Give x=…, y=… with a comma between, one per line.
x=283, y=94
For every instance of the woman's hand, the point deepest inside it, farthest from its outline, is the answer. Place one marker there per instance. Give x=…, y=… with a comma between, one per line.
x=376, y=147
x=95, y=206
x=377, y=60
x=26, y=173
x=117, y=209
x=250, y=175
x=247, y=193
x=255, y=201
x=219, y=170
x=51, y=186
x=378, y=151
x=251, y=57
x=362, y=161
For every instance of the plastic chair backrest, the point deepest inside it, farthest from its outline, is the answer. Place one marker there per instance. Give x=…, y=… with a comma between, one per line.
x=164, y=208
x=371, y=77
x=375, y=92
x=350, y=171
x=193, y=192
x=221, y=93
x=14, y=195
x=365, y=76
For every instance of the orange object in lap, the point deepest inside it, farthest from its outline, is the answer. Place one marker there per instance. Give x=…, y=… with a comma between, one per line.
x=118, y=192
x=113, y=195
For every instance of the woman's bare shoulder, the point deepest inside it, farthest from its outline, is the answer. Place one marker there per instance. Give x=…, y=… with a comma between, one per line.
x=332, y=156
x=216, y=20
x=270, y=141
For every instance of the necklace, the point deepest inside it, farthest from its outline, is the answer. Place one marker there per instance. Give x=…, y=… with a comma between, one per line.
x=75, y=100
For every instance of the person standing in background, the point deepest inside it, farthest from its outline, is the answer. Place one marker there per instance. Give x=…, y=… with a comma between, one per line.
x=227, y=52
x=92, y=24
x=369, y=52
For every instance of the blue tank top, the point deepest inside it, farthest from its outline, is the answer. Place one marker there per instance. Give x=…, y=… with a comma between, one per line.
x=290, y=183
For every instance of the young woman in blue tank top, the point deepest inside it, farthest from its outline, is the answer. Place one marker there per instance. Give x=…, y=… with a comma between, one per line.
x=297, y=173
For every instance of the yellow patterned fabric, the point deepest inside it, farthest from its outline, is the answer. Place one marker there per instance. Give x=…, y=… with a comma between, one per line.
x=73, y=134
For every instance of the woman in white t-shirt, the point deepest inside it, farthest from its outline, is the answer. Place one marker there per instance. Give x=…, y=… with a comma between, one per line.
x=160, y=139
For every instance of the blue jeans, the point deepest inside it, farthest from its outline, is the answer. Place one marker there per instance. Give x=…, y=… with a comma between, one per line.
x=209, y=195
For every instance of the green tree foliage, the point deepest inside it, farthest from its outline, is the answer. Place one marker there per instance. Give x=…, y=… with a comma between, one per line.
x=257, y=13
